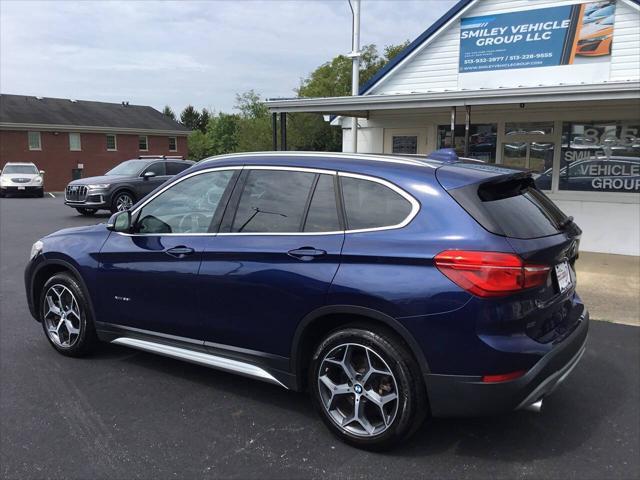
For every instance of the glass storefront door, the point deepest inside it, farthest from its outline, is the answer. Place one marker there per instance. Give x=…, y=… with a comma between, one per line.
x=533, y=155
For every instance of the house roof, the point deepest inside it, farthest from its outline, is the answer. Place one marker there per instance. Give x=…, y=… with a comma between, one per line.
x=428, y=33
x=27, y=111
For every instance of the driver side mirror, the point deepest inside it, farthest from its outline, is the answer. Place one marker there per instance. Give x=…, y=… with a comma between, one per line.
x=120, y=222
x=148, y=175
x=41, y=172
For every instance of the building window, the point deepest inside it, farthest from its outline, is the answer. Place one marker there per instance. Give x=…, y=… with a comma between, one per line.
x=407, y=144
x=143, y=143
x=112, y=145
x=482, y=140
x=34, y=141
x=528, y=128
x=600, y=156
x=74, y=142
x=173, y=144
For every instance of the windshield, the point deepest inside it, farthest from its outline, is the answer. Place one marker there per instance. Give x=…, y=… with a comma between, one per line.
x=130, y=167
x=20, y=169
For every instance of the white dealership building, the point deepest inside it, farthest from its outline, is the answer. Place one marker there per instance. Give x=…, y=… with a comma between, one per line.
x=548, y=85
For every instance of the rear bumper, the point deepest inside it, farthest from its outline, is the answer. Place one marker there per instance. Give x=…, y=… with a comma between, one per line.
x=460, y=396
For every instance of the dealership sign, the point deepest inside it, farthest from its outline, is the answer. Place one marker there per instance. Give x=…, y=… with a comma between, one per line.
x=573, y=41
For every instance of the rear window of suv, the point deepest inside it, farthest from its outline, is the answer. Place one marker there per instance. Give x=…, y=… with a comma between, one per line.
x=513, y=208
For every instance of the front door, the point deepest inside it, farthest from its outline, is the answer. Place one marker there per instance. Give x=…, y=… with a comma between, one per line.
x=273, y=261
x=148, y=279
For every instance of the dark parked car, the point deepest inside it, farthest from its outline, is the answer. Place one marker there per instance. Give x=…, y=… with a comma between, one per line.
x=390, y=288
x=123, y=185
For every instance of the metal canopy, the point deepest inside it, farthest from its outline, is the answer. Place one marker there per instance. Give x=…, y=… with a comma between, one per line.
x=360, y=105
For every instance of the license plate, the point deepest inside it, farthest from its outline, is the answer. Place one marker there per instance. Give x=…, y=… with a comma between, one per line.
x=21, y=188
x=563, y=273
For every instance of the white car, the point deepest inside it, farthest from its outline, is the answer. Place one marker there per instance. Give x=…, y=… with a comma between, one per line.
x=21, y=178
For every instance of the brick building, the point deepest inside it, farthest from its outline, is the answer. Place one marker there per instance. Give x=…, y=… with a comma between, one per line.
x=72, y=138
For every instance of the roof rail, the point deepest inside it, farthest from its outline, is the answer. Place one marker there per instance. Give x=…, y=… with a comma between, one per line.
x=164, y=157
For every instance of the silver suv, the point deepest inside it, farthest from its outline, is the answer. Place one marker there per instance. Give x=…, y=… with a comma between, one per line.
x=21, y=178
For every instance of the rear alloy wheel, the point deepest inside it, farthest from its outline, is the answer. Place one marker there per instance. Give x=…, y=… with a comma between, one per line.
x=66, y=317
x=87, y=212
x=122, y=201
x=367, y=388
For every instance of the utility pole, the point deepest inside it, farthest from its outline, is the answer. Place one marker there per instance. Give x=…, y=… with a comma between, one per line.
x=355, y=75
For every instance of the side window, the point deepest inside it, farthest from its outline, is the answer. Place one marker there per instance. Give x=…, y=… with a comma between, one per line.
x=157, y=168
x=174, y=168
x=323, y=210
x=272, y=201
x=187, y=207
x=370, y=204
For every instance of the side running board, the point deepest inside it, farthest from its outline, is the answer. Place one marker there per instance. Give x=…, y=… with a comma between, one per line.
x=200, y=358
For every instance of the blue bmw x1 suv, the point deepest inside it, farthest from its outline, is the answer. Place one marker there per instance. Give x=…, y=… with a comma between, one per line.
x=390, y=288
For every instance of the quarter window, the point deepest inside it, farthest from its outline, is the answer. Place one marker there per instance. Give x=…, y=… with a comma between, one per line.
x=370, y=204
x=34, y=141
x=74, y=142
x=273, y=201
x=111, y=142
x=143, y=143
x=187, y=207
x=323, y=210
x=173, y=144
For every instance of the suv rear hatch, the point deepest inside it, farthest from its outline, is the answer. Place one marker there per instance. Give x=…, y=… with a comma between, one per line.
x=506, y=202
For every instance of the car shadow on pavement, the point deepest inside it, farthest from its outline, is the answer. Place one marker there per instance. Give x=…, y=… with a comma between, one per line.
x=566, y=422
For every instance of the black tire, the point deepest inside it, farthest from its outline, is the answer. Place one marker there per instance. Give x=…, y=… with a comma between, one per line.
x=40, y=194
x=411, y=406
x=118, y=197
x=85, y=340
x=87, y=212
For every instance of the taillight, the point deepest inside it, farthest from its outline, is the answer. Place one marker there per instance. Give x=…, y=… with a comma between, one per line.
x=490, y=274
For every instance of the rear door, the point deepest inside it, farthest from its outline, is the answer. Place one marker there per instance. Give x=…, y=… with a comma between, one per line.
x=273, y=261
x=147, y=185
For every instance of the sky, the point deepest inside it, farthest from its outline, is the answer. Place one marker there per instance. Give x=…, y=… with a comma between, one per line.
x=190, y=52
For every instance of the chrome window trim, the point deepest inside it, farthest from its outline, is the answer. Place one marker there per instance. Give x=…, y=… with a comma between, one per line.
x=415, y=205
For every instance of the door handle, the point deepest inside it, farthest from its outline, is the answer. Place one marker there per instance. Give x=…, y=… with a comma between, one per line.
x=306, y=254
x=180, y=251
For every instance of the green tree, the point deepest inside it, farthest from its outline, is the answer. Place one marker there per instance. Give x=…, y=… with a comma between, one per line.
x=190, y=118
x=333, y=79
x=168, y=112
x=254, y=123
x=203, y=121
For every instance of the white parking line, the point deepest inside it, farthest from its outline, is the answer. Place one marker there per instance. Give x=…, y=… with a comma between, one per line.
x=52, y=195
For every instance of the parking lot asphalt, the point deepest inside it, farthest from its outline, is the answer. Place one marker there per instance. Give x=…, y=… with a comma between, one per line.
x=126, y=414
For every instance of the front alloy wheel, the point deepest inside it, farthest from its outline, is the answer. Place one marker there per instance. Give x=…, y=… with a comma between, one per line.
x=122, y=202
x=66, y=316
x=61, y=316
x=367, y=387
